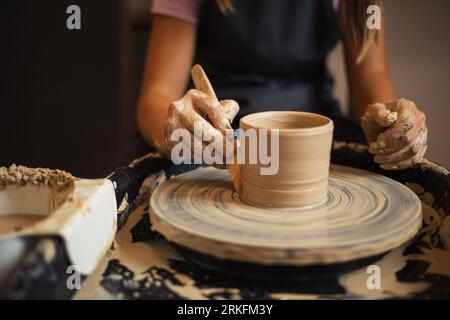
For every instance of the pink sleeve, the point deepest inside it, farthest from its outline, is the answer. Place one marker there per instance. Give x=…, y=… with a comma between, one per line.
x=336, y=4
x=186, y=10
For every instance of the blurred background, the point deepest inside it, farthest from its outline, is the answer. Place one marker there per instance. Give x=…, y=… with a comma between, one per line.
x=68, y=97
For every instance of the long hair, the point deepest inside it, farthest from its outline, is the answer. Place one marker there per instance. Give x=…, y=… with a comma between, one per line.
x=354, y=14
x=225, y=6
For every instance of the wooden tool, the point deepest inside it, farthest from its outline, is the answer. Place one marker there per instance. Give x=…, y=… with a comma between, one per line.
x=203, y=84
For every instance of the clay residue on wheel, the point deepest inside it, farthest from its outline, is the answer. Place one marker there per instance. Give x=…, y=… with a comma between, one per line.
x=46, y=190
x=427, y=164
x=150, y=155
x=149, y=185
x=58, y=180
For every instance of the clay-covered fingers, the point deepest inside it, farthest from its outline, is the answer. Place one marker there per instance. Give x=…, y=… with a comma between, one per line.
x=396, y=132
x=197, y=147
x=205, y=119
x=403, y=131
x=231, y=108
x=198, y=125
x=371, y=131
x=205, y=122
x=172, y=123
x=196, y=135
x=417, y=157
x=183, y=115
x=211, y=109
x=375, y=120
x=197, y=109
x=381, y=115
x=407, y=152
x=387, y=142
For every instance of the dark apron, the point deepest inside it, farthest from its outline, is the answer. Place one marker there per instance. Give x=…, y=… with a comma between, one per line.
x=270, y=55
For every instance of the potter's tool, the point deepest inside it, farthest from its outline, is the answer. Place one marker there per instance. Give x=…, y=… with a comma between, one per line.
x=203, y=84
x=77, y=227
x=365, y=214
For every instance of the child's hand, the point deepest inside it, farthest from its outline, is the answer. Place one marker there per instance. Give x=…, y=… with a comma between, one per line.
x=396, y=132
x=197, y=107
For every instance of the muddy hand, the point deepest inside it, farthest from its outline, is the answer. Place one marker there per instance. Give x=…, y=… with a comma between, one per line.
x=396, y=132
x=198, y=108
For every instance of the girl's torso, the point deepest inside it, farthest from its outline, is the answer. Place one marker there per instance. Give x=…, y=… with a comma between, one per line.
x=270, y=55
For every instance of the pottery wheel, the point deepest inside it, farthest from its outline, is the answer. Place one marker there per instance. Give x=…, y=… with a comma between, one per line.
x=365, y=214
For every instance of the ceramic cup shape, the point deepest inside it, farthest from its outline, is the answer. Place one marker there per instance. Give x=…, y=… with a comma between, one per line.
x=304, y=147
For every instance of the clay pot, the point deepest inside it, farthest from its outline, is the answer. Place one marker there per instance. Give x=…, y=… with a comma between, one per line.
x=305, y=141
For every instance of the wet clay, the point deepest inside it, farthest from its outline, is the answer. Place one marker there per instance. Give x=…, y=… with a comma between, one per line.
x=21, y=175
x=305, y=141
x=29, y=195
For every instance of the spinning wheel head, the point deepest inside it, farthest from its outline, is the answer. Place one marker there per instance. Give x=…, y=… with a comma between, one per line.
x=364, y=215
